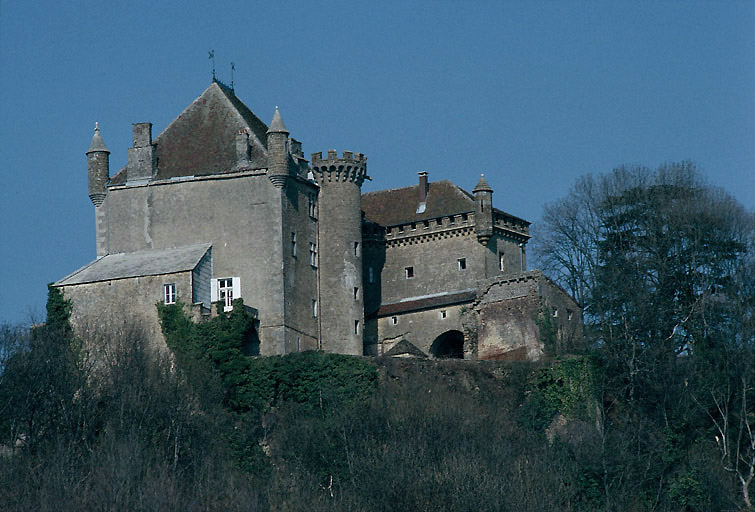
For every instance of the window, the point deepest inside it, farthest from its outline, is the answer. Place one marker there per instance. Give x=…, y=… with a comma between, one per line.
x=356, y=248
x=313, y=254
x=569, y=314
x=409, y=272
x=312, y=205
x=443, y=314
x=394, y=320
x=462, y=263
x=293, y=244
x=225, y=289
x=314, y=308
x=169, y=293
x=501, y=262
x=356, y=293
x=356, y=326
x=555, y=312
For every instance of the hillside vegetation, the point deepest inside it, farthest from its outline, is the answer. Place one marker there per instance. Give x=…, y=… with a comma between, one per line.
x=658, y=414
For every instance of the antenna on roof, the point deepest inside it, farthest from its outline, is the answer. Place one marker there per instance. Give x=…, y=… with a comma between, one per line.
x=212, y=57
x=233, y=67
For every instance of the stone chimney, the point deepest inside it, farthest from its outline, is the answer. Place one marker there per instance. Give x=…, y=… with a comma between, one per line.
x=142, y=158
x=423, y=188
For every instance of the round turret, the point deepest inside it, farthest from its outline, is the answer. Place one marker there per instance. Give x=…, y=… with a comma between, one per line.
x=277, y=151
x=98, y=164
x=483, y=195
x=340, y=241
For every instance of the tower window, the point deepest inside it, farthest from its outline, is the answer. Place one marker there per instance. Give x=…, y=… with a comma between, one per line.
x=169, y=293
x=409, y=272
x=394, y=320
x=462, y=262
x=314, y=308
x=312, y=205
x=356, y=248
x=313, y=254
x=356, y=292
x=356, y=326
x=501, y=262
x=443, y=314
x=293, y=244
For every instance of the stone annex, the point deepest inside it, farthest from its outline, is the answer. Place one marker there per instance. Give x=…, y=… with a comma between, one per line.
x=220, y=206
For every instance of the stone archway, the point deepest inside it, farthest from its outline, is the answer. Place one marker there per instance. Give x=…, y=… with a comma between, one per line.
x=449, y=345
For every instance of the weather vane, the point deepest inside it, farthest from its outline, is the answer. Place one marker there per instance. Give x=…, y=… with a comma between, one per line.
x=212, y=57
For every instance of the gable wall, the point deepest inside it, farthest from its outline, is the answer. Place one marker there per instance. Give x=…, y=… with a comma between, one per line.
x=240, y=216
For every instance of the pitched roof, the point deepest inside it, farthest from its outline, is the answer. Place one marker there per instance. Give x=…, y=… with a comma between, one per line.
x=405, y=349
x=399, y=205
x=202, y=139
x=426, y=302
x=137, y=264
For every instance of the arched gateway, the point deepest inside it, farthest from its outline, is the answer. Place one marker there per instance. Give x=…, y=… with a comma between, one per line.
x=450, y=344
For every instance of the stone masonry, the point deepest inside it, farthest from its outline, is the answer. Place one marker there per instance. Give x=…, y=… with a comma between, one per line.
x=220, y=206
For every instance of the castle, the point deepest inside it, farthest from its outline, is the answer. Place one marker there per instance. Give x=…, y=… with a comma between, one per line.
x=220, y=206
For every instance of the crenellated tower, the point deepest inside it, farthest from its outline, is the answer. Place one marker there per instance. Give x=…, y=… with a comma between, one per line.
x=98, y=165
x=340, y=250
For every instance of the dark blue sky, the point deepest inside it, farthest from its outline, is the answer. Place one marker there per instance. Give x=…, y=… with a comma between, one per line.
x=533, y=94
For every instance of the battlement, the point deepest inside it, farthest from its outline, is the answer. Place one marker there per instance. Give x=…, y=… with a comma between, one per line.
x=348, y=157
x=350, y=167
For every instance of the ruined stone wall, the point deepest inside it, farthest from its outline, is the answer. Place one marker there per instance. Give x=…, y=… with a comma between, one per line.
x=507, y=311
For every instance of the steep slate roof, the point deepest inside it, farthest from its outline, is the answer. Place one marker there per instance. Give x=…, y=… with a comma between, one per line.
x=399, y=205
x=202, y=139
x=137, y=264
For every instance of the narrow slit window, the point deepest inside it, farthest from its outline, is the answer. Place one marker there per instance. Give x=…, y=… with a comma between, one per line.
x=356, y=326
x=356, y=248
x=409, y=272
x=394, y=320
x=314, y=308
x=462, y=262
x=356, y=293
x=293, y=244
x=501, y=262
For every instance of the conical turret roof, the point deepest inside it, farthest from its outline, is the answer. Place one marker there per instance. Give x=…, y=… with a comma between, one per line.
x=482, y=185
x=276, y=125
x=97, y=143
